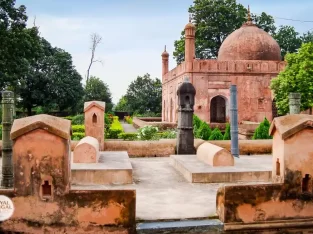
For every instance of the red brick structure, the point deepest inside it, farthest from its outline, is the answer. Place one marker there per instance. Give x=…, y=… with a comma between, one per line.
x=249, y=58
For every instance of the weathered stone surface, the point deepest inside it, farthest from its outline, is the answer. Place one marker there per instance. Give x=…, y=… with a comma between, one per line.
x=214, y=155
x=94, y=120
x=57, y=126
x=79, y=211
x=186, y=99
x=86, y=151
x=289, y=199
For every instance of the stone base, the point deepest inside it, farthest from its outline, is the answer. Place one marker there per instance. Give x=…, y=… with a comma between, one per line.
x=246, y=169
x=112, y=168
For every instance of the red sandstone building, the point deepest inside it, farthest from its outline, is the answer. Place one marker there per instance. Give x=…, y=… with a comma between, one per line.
x=249, y=57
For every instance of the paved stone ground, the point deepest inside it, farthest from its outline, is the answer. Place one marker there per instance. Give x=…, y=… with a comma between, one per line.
x=162, y=193
x=128, y=128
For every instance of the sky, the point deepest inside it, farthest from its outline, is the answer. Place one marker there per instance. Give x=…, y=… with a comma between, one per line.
x=134, y=32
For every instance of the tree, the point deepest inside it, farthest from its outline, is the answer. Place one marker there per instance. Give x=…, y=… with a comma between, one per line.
x=122, y=104
x=215, y=20
x=307, y=37
x=145, y=94
x=295, y=78
x=95, y=41
x=262, y=131
x=97, y=90
x=288, y=39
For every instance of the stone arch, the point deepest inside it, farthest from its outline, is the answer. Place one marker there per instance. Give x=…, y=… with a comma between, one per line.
x=218, y=109
x=274, y=109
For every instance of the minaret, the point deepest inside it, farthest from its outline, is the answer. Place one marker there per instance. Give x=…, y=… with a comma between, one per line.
x=190, y=31
x=165, y=56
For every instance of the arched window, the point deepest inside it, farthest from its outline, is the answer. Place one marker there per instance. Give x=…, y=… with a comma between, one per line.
x=218, y=110
x=94, y=118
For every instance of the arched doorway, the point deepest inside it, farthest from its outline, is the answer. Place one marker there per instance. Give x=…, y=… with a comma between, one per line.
x=218, y=110
x=274, y=109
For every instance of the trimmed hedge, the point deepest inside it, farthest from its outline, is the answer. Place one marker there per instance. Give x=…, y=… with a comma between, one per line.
x=78, y=136
x=78, y=128
x=128, y=136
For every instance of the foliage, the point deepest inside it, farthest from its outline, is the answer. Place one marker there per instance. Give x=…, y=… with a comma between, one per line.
x=122, y=105
x=147, y=114
x=227, y=135
x=288, y=39
x=0, y=132
x=78, y=128
x=76, y=136
x=96, y=89
x=204, y=131
x=39, y=74
x=262, y=131
x=144, y=95
x=216, y=135
x=128, y=136
x=215, y=20
x=115, y=129
x=148, y=133
x=169, y=134
x=68, y=117
x=78, y=119
x=128, y=119
x=296, y=78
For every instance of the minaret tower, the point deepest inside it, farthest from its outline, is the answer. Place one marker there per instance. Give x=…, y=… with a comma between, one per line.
x=190, y=31
x=165, y=56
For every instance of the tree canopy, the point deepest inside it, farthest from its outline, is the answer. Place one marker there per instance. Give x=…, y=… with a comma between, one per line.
x=39, y=74
x=216, y=19
x=143, y=95
x=96, y=89
x=296, y=78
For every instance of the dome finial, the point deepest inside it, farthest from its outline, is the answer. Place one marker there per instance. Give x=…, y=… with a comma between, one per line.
x=165, y=48
x=190, y=17
x=249, y=14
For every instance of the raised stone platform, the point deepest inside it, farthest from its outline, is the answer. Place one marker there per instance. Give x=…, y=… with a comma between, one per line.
x=112, y=168
x=257, y=168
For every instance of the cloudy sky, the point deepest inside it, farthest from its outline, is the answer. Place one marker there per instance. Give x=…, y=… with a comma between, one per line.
x=134, y=32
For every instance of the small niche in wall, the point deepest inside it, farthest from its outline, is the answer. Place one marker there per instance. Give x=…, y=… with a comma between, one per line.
x=187, y=100
x=94, y=118
x=306, y=183
x=46, y=189
x=278, y=167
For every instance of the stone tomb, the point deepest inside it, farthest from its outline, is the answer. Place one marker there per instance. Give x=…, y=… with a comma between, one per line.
x=287, y=202
x=213, y=164
x=42, y=194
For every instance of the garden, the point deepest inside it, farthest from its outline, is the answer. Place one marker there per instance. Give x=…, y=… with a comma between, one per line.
x=202, y=130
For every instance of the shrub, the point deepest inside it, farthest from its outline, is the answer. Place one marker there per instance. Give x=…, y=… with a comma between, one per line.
x=78, y=119
x=168, y=134
x=196, y=121
x=78, y=128
x=0, y=132
x=115, y=129
x=128, y=136
x=68, y=118
x=227, y=135
x=204, y=131
x=261, y=132
x=78, y=136
x=216, y=135
x=128, y=119
x=148, y=133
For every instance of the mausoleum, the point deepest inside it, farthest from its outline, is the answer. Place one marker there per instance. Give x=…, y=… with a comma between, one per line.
x=249, y=58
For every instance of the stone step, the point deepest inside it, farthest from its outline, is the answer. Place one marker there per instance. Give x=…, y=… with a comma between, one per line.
x=183, y=226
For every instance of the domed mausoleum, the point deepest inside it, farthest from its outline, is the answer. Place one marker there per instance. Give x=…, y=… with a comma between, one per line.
x=249, y=58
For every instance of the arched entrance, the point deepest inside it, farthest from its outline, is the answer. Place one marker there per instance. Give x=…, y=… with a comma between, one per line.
x=274, y=109
x=218, y=110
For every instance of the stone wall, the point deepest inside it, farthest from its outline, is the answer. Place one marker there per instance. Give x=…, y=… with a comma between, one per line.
x=141, y=122
x=80, y=211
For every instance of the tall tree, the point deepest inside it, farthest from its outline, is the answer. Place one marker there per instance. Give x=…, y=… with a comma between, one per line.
x=95, y=41
x=288, y=39
x=296, y=78
x=215, y=20
x=122, y=104
x=145, y=94
x=97, y=90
